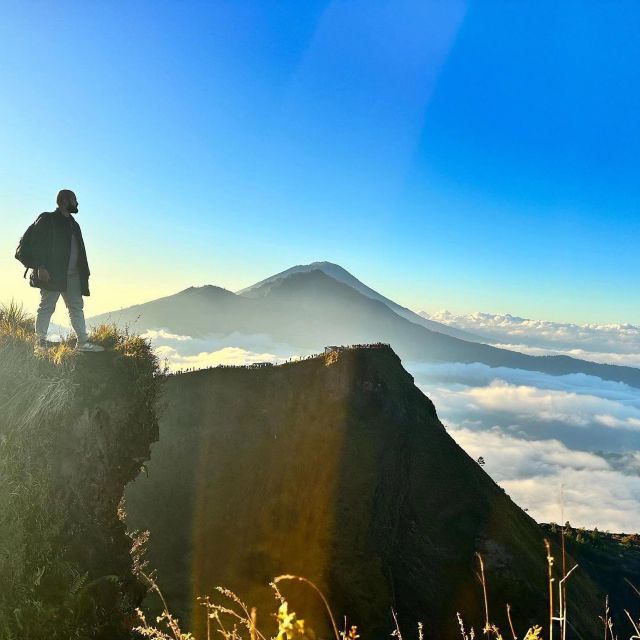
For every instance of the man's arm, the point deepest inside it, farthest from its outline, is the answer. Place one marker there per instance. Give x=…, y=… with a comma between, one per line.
x=82, y=250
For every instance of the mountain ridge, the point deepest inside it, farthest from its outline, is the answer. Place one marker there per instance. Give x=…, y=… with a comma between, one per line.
x=310, y=310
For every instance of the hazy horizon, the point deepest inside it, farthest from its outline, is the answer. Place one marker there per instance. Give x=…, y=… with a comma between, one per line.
x=127, y=295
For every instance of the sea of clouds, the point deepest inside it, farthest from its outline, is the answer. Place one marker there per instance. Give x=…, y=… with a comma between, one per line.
x=181, y=353
x=563, y=447
x=605, y=343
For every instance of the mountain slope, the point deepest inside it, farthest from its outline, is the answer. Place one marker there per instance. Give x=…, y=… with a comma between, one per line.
x=195, y=311
x=311, y=310
x=338, y=469
x=336, y=272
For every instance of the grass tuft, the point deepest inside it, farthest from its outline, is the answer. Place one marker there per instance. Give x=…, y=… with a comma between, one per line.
x=15, y=321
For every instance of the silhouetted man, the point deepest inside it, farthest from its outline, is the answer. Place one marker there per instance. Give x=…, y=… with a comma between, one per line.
x=62, y=269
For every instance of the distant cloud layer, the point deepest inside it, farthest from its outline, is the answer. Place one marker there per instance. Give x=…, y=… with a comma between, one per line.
x=622, y=359
x=527, y=402
x=607, y=343
x=536, y=473
x=185, y=352
x=538, y=432
x=226, y=356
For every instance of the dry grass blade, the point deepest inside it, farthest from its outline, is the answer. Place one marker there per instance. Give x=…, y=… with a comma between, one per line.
x=551, y=580
x=253, y=629
x=562, y=597
x=465, y=636
x=165, y=617
x=396, y=632
x=487, y=626
x=246, y=618
x=632, y=586
x=15, y=321
x=320, y=594
x=513, y=631
x=534, y=633
x=635, y=626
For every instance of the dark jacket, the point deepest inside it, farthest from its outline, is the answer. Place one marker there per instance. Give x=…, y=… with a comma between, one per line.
x=52, y=247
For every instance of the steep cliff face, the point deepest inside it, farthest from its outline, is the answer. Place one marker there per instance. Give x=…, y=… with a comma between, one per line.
x=73, y=433
x=337, y=469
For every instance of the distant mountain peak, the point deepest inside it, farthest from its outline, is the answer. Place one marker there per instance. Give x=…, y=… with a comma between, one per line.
x=325, y=263
x=204, y=290
x=329, y=268
x=343, y=276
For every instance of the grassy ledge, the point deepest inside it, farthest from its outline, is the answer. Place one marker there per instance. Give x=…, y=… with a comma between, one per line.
x=74, y=430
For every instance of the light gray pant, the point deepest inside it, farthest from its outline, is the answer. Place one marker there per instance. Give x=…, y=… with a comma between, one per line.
x=75, y=305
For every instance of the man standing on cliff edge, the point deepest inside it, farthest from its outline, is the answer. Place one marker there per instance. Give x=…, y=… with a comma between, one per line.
x=60, y=267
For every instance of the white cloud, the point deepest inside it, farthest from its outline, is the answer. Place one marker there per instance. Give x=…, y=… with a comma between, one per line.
x=583, y=412
x=549, y=405
x=478, y=374
x=162, y=334
x=609, y=343
x=533, y=473
x=622, y=359
x=226, y=356
x=183, y=352
x=537, y=432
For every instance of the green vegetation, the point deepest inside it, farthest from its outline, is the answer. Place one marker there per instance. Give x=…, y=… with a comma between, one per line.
x=73, y=431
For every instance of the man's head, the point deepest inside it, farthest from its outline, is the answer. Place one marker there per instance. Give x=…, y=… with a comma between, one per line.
x=67, y=201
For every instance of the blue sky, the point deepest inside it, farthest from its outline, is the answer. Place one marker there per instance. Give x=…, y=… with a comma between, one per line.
x=468, y=156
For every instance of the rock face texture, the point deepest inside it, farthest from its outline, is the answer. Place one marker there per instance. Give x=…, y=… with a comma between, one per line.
x=72, y=435
x=337, y=469
x=109, y=437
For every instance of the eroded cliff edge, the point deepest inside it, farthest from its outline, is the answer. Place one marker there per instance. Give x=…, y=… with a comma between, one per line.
x=74, y=430
x=336, y=468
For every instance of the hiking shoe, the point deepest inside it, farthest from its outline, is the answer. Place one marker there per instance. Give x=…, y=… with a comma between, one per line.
x=40, y=348
x=89, y=347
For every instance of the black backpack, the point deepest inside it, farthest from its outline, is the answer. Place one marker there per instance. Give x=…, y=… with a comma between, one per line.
x=24, y=252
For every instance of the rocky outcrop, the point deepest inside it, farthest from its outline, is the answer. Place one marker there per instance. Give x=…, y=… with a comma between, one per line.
x=73, y=434
x=108, y=441
x=337, y=469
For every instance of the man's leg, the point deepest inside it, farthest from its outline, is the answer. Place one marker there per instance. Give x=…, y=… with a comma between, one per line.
x=75, y=305
x=46, y=308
